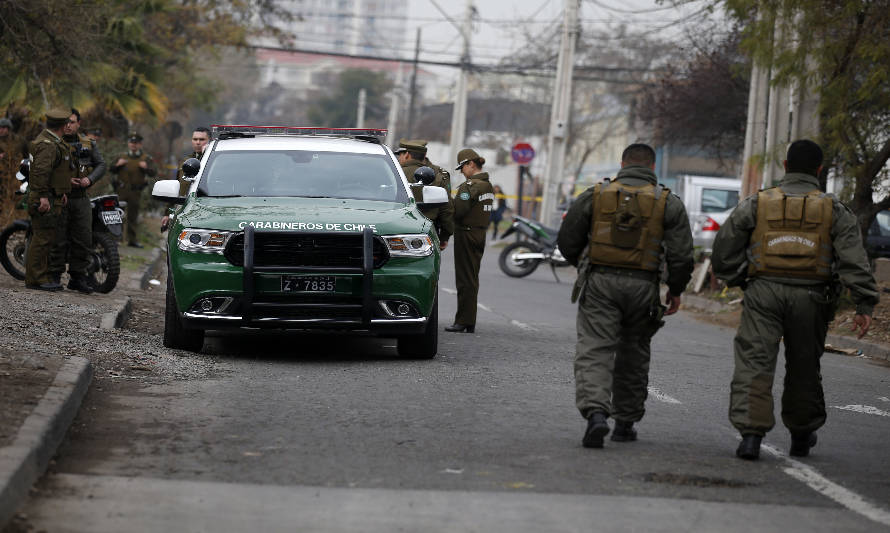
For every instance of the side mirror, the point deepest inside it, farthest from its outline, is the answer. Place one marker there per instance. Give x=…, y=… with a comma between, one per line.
x=168, y=191
x=433, y=196
x=190, y=169
x=425, y=176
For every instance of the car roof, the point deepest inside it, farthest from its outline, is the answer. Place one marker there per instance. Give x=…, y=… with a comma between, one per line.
x=290, y=142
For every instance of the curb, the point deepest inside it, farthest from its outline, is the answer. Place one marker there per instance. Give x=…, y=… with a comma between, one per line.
x=154, y=265
x=115, y=319
x=870, y=349
x=25, y=460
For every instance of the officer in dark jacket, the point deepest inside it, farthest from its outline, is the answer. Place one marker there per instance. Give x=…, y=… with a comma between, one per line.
x=132, y=168
x=48, y=186
x=790, y=247
x=200, y=139
x=412, y=155
x=74, y=234
x=616, y=233
x=472, y=209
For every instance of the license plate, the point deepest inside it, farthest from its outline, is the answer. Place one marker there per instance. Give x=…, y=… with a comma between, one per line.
x=112, y=217
x=308, y=283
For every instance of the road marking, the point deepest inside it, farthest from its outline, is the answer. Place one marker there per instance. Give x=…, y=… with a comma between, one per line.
x=867, y=409
x=884, y=398
x=448, y=290
x=816, y=481
x=484, y=308
x=522, y=325
x=662, y=397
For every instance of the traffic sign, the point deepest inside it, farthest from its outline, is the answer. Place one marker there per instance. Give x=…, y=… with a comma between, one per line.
x=522, y=153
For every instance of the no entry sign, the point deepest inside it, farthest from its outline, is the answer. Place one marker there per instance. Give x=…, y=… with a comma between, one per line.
x=522, y=153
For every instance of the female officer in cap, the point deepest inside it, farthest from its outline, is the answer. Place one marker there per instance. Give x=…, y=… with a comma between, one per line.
x=472, y=210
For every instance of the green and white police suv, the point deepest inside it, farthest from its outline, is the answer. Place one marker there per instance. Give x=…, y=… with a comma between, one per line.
x=305, y=229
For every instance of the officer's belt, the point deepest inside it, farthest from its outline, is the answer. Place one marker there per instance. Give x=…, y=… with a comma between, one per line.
x=471, y=228
x=628, y=272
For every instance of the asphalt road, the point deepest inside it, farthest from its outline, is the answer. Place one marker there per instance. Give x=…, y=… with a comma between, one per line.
x=329, y=433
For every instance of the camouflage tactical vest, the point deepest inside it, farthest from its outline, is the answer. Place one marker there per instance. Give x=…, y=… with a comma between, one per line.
x=792, y=238
x=627, y=225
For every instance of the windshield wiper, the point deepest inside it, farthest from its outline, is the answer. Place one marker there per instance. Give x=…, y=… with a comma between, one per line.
x=225, y=195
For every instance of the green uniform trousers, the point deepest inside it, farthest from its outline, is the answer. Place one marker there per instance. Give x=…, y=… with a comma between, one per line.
x=771, y=311
x=469, y=245
x=612, y=353
x=131, y=220
x=43, y=235
x=74, y=238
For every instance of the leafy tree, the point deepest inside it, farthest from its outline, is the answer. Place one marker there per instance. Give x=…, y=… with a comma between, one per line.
x=841, y=50
x=703, y=101
x=339, y=108
x=125, y=58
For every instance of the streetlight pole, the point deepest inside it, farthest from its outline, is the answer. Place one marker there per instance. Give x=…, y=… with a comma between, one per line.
x=459, y=113
x=559, y=113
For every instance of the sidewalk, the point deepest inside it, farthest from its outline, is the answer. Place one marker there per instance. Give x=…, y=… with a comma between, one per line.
x=868, y=349
x=43, y=387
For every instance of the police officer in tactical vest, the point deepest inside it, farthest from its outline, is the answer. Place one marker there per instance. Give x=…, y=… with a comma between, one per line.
x=472, y=209
x=48, y=186
x=790, y=247
x=132, y=169
x=412, y=155
x=74, y=234
x=617, y=233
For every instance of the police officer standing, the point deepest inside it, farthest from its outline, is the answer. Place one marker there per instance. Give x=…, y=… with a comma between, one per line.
x=74, y=234
x=472, y=209
x=132, y=169
x=412, y=155
x=788, y=247
x=200, y=139
x=49, y=183
x=616, y=232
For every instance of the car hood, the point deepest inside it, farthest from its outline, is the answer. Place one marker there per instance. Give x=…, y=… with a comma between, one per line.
x=302, y=214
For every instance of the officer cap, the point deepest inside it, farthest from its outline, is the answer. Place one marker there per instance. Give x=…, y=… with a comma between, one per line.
x=412, y=146
x=5, y=123
x=57, y=117
x=134, y=137
x=466, y=155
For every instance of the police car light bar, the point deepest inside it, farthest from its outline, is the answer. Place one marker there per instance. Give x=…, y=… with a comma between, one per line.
x=222, y=129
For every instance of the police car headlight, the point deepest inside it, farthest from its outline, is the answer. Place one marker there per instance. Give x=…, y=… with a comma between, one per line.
x=203, y=240
x=409, y=245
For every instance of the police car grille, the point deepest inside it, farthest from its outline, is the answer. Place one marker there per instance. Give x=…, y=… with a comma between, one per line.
x=305, y=249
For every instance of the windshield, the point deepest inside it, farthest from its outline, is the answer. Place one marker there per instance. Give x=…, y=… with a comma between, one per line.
x=302, y=173
x=717, y=200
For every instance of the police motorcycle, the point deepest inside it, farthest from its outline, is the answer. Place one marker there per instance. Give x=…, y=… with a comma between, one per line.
x=108, y=213
x=538, y=245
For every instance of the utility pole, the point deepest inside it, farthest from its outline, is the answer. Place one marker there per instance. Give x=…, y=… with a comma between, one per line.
x=362, y=99
x=559, y=113
x=393, y=117
x=459, y=113
x=412, y=98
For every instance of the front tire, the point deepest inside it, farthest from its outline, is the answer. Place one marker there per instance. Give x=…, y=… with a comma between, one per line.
x=518, y=268
x=175, y=334
x=425, y=345
x=106, y=267
x=13, y=248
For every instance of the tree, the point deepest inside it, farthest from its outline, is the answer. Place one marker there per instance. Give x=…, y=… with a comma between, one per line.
x=339, y=108
x=119, y=57
x=841, y=50
x=702, y=102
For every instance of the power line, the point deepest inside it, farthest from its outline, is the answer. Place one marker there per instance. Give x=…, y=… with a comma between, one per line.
x=634, y=11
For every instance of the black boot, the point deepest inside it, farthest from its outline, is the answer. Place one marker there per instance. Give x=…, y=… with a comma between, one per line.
x=801, y=444
x=80, y=284
x=460, y=328
x=624, y=431
x=749, y=448
x=597, y=428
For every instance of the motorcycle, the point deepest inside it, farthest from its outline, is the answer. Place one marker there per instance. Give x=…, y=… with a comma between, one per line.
x=104, y=268
x=521, y=258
